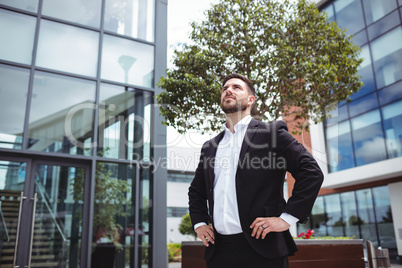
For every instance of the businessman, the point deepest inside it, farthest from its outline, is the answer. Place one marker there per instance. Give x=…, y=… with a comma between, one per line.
x=236, y=198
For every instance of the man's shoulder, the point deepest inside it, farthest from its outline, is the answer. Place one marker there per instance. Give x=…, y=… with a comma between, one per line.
x=273, y=126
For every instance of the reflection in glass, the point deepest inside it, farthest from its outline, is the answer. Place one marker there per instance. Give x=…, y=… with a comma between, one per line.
x=28, y=5
x=319, y=217
x=17, y=36
x=127, y=61
x=351, y=220
x=340, y=149
x=67, y=48
x=375, y=10
x=384, y=220
x=61, y=116
x=387, y=57
x=391, y=93
x=392, y=120
x=145, y=213
x=124, y=123
x=12, y=179
x=368, y=138
x=330, y=11
x=13, y=92
x=85, y=12
x=366, y=72
x=340, y=113
x=114, y=218
x=58, y=222
x=383, y=25
x=349, y=15
x=333, y=210
x=133, y=18
x=366, y=215
x=363, y=104
x=360, y=38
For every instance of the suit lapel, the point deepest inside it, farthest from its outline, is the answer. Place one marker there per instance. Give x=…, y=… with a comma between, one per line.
x=211, y=157
x=248, y=137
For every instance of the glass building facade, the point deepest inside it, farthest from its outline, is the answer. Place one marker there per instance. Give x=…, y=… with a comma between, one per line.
x=369, y=128
x=79, y=132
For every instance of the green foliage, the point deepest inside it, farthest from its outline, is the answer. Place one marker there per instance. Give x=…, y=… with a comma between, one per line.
x=288, y=49
x=185, y=226
x=174, y=250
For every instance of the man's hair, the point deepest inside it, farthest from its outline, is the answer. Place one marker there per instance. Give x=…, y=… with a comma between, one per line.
x=243, y=78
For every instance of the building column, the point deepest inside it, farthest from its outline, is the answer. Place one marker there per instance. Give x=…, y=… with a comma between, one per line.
x=395, y=190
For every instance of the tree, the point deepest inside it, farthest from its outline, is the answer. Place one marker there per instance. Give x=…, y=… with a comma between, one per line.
x=185, y=226
x=300, y=63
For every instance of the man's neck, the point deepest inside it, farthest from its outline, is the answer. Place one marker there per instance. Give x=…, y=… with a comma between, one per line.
x=234, y=118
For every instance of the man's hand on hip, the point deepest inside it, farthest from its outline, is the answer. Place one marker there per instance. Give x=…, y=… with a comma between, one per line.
x=206, y=232
x=263, y=226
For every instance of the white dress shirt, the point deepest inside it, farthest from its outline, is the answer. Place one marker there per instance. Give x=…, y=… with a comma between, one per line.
x=226, y=214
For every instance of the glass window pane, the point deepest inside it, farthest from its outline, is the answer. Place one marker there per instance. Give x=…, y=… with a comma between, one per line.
x=66, y=48
x=133, y=18
x=333, y=211
x=114, y=227
x=13, y=93
x=28, y=5
x=387, y=56
x=350, y=218
x=360, y=38
x=368, y=138
x=366, y=215
x=85, y=12
x=340, y=149
x=349, y=15
x=17, y=33
x=391, y=93
x=366, y=72
x=61, y=116
x=392, y=115
x=319, y=217
x=339, y=114
x=383, y=213
x=127, y=61
x=383, y=25
x=363, y=104
x=145, y=213
x=375, y=10
x=124, y=123
x=330, y=11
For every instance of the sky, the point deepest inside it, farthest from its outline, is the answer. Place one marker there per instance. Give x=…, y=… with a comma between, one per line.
x=180, y=15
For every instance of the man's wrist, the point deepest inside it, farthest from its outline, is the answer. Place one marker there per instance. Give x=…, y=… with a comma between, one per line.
x=289, y=219
x=198, y=225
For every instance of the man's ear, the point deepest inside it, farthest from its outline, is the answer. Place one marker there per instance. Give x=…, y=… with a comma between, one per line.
x=251, y=100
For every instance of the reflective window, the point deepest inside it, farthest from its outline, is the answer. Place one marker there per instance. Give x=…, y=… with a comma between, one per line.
x=363, y=104
x=333, y=210
x=61, y=117
x=133, y=18
x=13, y=93
x=366, y=72
x=375, y=10
x=349, y=15
x=349, y=211
x=366, y=215
x=145, y=226
x=392, y=120
x=28, y=5
x=387, y=57
x=391, y=93
x=127, y=61
x=340, y=149
x=383, y=25
x=330, y=11
x=85, y=12
x=339, y=114
x=382, y=205
x=66, y=48
x=319, y=217
x=368, y=138
x=360, y=38
x=124, y=123
x=17, y=33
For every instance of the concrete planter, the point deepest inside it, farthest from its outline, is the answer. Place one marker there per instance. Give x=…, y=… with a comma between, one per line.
x=314, y=253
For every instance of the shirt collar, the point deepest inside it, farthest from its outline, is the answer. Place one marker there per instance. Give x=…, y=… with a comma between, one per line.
x=241, y=124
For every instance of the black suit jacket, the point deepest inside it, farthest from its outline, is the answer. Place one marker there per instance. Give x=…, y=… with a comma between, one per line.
x=267, y=152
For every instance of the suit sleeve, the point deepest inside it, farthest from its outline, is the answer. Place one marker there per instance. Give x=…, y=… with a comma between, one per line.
x=303, y=167
x=198, y=196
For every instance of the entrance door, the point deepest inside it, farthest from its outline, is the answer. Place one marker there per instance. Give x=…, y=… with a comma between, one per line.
x=41, y=213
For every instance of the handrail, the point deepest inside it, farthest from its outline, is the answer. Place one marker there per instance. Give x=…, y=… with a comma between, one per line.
x=4, y=224
x=39, y=186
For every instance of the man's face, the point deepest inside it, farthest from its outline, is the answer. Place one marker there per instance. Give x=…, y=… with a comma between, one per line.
x=235, y=96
